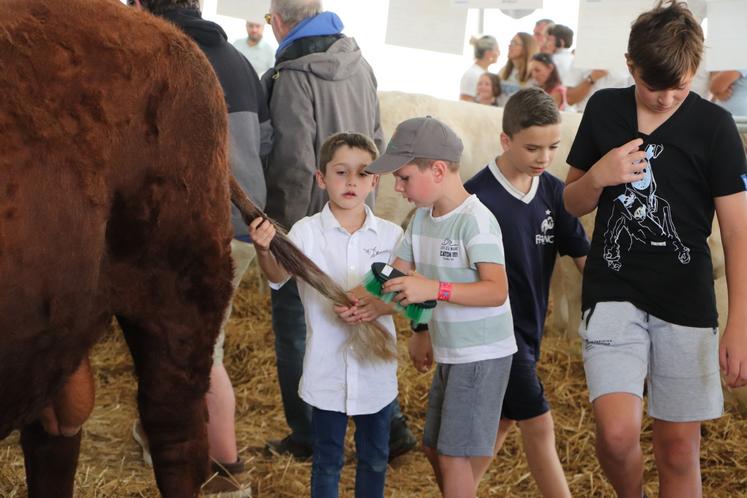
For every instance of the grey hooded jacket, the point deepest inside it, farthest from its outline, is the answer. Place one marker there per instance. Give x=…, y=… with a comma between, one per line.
x=311, y=98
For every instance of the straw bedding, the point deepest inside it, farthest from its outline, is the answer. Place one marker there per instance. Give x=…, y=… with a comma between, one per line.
x=111, y=466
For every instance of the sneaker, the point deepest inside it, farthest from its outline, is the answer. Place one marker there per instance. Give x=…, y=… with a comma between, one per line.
x=225, y=487
x=138, y=434
x=401, y=439
x=224, y=482
x=287, y=446
x=228, y=469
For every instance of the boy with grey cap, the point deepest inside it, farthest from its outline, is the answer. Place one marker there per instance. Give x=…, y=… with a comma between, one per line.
x=455, y=243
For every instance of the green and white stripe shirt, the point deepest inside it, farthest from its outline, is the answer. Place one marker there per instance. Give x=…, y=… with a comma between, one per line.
x=448, y=248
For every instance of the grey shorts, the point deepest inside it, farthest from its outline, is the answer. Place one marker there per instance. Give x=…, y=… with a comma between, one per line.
x=464, y=407
x=242, y=253
x=623, y=346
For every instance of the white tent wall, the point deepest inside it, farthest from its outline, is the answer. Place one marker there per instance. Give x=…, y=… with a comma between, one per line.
x=413, y=70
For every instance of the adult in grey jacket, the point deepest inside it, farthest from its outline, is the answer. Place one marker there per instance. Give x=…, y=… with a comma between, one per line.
x=320, y=85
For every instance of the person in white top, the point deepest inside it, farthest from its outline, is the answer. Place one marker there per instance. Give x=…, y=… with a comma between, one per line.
x=344, y=239
x=558, y=43
x=583, y=83
x=515, y=74
x=486, y=53
x=260, y=54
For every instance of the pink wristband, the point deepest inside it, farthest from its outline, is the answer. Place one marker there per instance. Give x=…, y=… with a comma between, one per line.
x=444, y=291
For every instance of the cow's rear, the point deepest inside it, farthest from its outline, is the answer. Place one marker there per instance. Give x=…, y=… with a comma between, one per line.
x=113, y=201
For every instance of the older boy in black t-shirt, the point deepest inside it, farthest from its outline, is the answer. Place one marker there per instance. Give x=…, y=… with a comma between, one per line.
x=656, y=160
x=528, y=204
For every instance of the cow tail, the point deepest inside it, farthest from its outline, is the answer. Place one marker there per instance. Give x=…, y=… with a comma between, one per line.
x=371, y=340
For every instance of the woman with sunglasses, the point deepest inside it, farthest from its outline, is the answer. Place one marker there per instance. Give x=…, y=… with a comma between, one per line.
x=515, y=74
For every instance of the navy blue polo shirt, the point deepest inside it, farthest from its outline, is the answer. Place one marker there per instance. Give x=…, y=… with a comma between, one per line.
x=535, y=227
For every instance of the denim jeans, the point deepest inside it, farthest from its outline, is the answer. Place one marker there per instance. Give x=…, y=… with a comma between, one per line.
x=289, y=325
x=371, y=445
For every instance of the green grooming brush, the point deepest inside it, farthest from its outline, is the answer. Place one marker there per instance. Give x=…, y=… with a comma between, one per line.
x=373, y=282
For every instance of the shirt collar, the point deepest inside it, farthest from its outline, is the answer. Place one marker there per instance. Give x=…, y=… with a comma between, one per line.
x=329, y=222
x=498, y=174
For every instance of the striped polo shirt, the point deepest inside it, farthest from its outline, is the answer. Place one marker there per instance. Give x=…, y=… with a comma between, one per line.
x=448, y=248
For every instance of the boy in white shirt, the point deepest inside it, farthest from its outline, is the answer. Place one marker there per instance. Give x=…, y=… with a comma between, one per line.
x=344, y=239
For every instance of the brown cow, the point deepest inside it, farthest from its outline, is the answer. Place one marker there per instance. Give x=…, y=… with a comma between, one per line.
x=113, y=201
x=114, y=193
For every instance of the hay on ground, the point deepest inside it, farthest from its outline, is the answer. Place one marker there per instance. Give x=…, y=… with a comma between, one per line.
x=111, y=465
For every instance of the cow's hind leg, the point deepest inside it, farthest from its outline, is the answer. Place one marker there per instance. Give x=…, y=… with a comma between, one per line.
x=172, y=364
x=51, y=444
x=50, y=461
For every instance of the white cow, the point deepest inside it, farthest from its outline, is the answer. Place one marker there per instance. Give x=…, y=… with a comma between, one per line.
x=479, y=127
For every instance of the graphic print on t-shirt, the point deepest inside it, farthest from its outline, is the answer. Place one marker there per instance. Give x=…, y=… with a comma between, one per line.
x=644, y=216
x=546, y=226
x=449, y=250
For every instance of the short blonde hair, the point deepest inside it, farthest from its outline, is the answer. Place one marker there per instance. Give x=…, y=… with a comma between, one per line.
x=424, y=163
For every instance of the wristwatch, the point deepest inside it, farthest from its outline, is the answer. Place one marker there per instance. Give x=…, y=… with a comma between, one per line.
x=590, y=80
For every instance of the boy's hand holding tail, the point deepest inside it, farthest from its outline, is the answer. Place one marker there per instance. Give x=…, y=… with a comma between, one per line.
x=733, y=356
x=619, y=165
x=364, y=309
x=261, y=231
x=421, y=351
x=414, y=288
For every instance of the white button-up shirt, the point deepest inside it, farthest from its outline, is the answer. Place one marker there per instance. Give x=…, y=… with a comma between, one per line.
x=333, y=377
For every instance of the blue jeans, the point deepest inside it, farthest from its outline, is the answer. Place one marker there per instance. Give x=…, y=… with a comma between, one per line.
x=289, y=325
x=371, y=445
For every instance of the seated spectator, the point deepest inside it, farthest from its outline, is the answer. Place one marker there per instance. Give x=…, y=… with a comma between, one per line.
x=489, y=91
x=515, y=74
x=582, y=84
x=486, y=53
x=729, y=89
x=558, y=44
x=541, y=31
x=545, y=75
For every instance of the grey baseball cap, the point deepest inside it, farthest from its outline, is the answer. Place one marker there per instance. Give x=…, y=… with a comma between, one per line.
x=426, y=138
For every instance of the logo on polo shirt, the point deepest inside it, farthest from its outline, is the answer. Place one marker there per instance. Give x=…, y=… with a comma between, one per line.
x=546, y=227
x=375, y=251
x=449, y=250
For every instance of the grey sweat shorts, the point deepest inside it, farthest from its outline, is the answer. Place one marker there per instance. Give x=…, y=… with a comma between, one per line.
x=464, y=407
x=623, y=346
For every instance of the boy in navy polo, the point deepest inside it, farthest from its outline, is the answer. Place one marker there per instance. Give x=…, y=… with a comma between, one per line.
x=528, y=205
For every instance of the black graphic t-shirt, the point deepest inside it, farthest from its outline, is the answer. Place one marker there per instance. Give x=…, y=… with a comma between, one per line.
x=650, y=237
